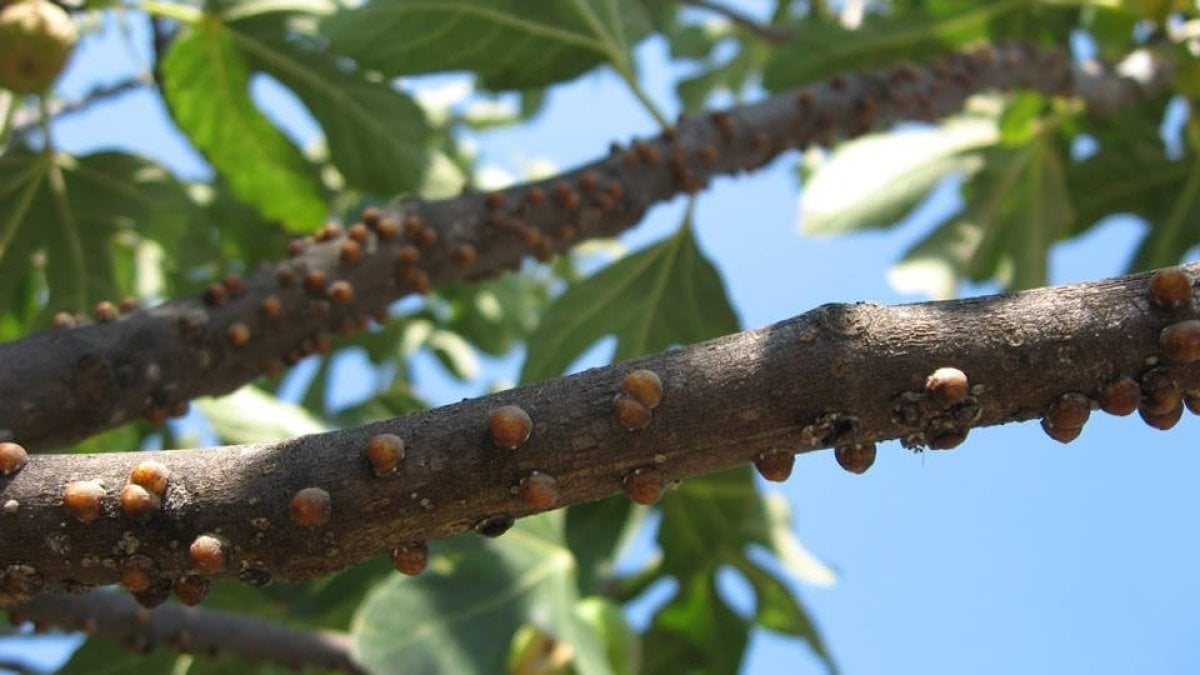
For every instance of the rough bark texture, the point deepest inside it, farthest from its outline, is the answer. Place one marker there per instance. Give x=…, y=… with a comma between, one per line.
x=836, y=376
x=63, y=385
x=118, y=618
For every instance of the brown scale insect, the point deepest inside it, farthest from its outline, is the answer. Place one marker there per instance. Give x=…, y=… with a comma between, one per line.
x=310, y=507
x=387, y=229
x=408, y=255
x=948, y=440
x=1162, y=420
x=104, y=311
x=152, y=475
x=330, y=230
x=239, y=335
x=1160, y=391
x=947, y=385
x=209, y=554
x=314, y=282
x=644, y=486
x=427, y=237
x=493, y=526
x=413, y=224
x=411, y=559
x=1180, y=342
x=285, y=276
x=83, y=500
x=509, y=426
x=1066, y=415
x=234, y=285
x=372, y=217
x=341, y=292
x=645, y=386
x=384, y=452
x=724, y=123
x=630, y=413
x=298, y=246
x=588, y=181
x=274, y=368
x=13, y=458
x=494, y=200
x=775, y=465
x=63, y=320
x=1120, y=397
x=855, y=458
x=271, y=307
x=137, y=502
x=359, y=233
x=464, y=254
x=129, y=305
x=535, y=195
x=708, y=154
x=350, y=251
x=1170, y=288
x=191, y=589
x=538, y=490
x=138, y=573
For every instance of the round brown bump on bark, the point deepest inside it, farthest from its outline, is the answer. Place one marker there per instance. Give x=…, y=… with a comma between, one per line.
x=151, y=475
x=1160, y=391
x=494, y=526
x=359, y=233
x=137, y=502
x=214, y=294
x=1191, y=399
x=630, y=413
x=1120, y=397
x=372, y=217
x=1069, y=411
x=190, y=589
x=644, y=486
x=1170, y=288
x=138, y=573
x=1162, y=420
x=856, y=458
x=63, y=320
x=948, y=385
x=330, y=230
x=775, y=465
x=271, y=307
x=341, y=292
x=285, y=276
x=239, y=335
x=1060, y=434
x=129, y=304
x=314, y=282
x=494, y=200
x=1180, y=342
x=708, y=154
x=388, y=227
x=645, y=386
x=104, y=311
x=311, y=507
x=234, y=285
x=465, y=254
x=539, y=490
x=158, y=593
x=350, y=251
x=82, y=499
x=408, y=255
x=948, y=440
x=509, y=427
x=209, y=554
x=384, y=452
x=411, y=559
x=535, y=196
x=588, y=181
x=13, y=458
x=724, y=123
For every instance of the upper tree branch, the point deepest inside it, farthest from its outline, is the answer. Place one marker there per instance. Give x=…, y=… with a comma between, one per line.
x=840, y=375
x=64, y=385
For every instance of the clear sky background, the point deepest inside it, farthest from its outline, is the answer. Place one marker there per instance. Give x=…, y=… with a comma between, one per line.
x=1010, y=554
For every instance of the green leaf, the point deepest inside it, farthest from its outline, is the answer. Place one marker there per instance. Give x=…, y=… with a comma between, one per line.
x=665, y=295
x=876, y=181
x=250, y=415
x=73, y=213
x=713, y=521
x=377, y=135
x=102, y=657
x=696, y=632
x=624, y=646
x=510, y=44
x=461, y=614
x=207, y=84
x=596, y=533
x=496, y=315
x=820, y=49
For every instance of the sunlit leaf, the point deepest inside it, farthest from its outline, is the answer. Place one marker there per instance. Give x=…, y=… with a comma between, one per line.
x=875, y=181
x=460, y=615
x=249, y=415
x=819, y=49
x=376, y=135
x=207, y=84
x=509, y=44
x=664, y=295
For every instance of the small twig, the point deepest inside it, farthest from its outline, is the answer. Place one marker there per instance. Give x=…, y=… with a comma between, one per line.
x=26, y=121
x=116, y=617
x=772, y=34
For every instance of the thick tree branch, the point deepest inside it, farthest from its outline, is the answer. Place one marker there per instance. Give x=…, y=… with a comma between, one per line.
x=64, y=385
x=844, y=376
x=116, y=617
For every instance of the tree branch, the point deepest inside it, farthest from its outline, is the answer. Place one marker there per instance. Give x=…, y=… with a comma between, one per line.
x=64, y=385
x=116, y=617
x=844, y=376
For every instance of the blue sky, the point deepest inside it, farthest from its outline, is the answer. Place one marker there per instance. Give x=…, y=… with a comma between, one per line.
x=1010, y=554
